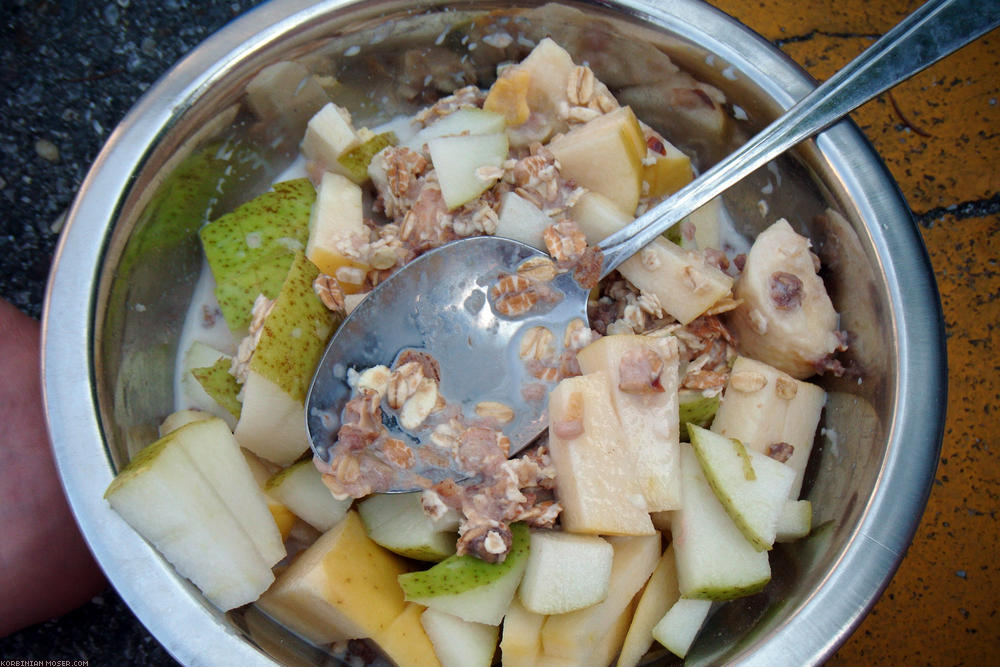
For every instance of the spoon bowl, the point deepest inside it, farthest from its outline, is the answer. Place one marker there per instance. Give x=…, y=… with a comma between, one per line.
x=441, y=304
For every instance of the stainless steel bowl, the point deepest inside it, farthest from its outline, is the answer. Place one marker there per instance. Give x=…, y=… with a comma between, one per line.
x=129, y=256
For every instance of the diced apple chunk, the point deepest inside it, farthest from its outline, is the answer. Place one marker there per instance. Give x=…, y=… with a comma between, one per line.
x=565, y=572
x=594, y=474
x=342, y=587
x=605, y=155
x=406, y=642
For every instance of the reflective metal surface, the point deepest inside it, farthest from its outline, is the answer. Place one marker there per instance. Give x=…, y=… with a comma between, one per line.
x=128, y=257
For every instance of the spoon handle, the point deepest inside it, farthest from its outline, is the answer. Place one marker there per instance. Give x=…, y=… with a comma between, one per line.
x=933, y=31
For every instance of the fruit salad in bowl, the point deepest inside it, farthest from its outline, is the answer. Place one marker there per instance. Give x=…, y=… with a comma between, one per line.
x=711, y=427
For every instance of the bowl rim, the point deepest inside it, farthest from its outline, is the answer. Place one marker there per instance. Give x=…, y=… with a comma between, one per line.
x=195, y=633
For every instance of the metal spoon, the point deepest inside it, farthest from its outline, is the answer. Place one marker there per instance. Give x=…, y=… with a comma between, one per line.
x=441, y=302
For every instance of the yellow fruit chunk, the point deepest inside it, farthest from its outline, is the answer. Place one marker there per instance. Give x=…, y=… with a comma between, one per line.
x=521, y=643
x=509, y=96
x=342, y=587
x=668, y=173
x=406, y=642
x=595, y=475
x=605, y=155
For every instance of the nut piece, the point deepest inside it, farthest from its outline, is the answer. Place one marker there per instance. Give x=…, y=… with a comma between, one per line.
x=786, y=290
x=747, y=382
x=499, y=412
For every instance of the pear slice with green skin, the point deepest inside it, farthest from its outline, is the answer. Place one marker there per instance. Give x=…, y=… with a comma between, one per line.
x=460, y=643
x=397, y=521
x=291, y=343
x=695, y=408
x=468, y=587
x=220, y=385
x=354, y=162
x=171, y=493
x=300, y=488
x=457, y=161
x=751, y=486
x=466, y=121
x=251, y=249
x=714, y=559
x=679, y=627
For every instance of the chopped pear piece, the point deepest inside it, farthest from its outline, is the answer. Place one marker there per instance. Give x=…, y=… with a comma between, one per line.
x=583, y=636
x=658, y=596
x=336, y=230
x=262, y=471
x=751, y=486
x=785, y=317
x=292, y=340
x=522, y=221
x=206, y=383
x=406, y=642
x=462, y=164
x=714, y=559
x=398, y=522
x=251, y=249
x=679, y=627
x=221, y=386
x=646, y=408
x=565, y=572
x=695, y=408
x=795, y=521
x=664, y=172
x=594, y=474
x=461, y=121
x=685, y=284
x=300, y=488
x=468, y=587
x=180, y=494
x=329, y=135
x=285, y=90
x=175, y=420
x=460, y=643
x=762, y=407
x=605, y=155
x=355, y=161
x=342, y=587
x=521, y=642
